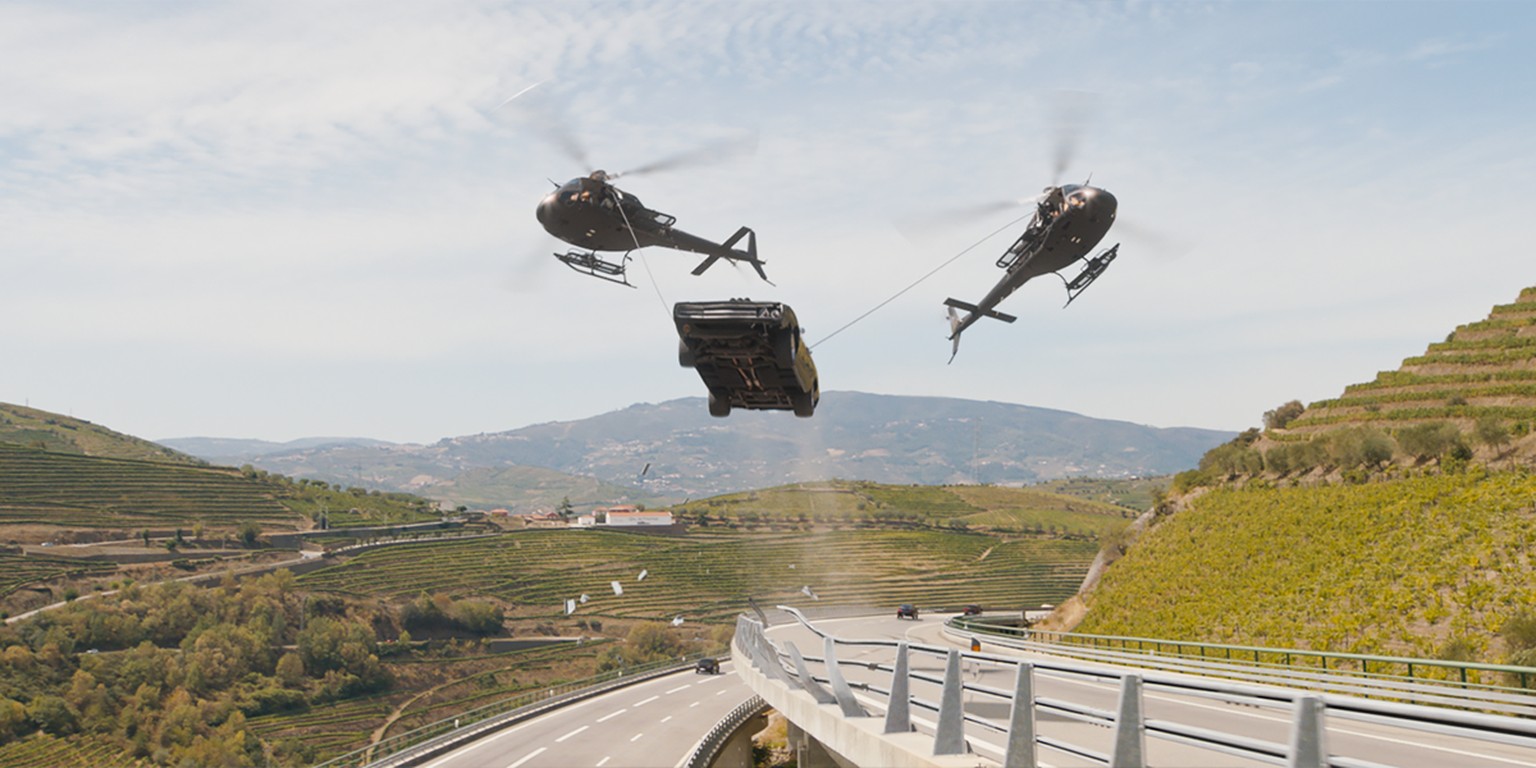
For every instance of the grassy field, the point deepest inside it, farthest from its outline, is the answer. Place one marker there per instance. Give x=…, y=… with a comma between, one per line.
x=44, y=431
x=1423, y=566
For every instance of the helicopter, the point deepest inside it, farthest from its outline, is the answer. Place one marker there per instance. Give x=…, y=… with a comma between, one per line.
x=590, y=212
x=1069, y=220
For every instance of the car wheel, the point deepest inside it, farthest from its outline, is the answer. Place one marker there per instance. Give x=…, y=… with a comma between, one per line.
x=717, y=407
x=685, y=356
x=804, y=406
x=784, y=347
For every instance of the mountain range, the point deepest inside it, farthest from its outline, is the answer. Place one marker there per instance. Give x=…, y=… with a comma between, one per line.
x=655, y=453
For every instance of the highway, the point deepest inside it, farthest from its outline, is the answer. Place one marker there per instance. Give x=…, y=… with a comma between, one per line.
x=1367, y=742
x=654, y=724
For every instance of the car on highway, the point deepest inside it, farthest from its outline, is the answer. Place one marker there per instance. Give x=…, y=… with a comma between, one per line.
x=907, y=611
x=707, y=666
x=750, y=355
x=971, y=610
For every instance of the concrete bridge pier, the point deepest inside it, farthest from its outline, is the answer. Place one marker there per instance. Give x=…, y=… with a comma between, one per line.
x=810, y=753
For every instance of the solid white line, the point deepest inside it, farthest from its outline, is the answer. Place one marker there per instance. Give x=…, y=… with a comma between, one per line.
x=647, y=701
x=710, y=679
x=529, y=756
x=680, y=688
x=602, y=762
x=572, y=733
x=635, y=737
x=611, y=715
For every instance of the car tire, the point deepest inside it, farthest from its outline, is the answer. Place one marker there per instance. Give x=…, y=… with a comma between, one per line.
x=784, y=347
x=717, y=407
x=685, y=356
x=803, y=405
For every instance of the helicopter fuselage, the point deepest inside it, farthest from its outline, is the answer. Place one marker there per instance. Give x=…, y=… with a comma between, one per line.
x=1068, y=223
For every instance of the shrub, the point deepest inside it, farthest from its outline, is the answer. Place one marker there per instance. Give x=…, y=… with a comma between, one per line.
x=1429, y=439
x=1283, y=415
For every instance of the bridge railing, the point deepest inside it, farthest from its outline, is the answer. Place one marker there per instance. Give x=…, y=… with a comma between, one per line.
x=1469, y=685
x=1121, y=741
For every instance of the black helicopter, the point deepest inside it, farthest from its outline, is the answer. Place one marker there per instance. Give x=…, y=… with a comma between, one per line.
x=592, y=213
x=1069, y=220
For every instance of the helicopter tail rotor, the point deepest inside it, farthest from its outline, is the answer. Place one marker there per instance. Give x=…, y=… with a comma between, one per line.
x=727, y=252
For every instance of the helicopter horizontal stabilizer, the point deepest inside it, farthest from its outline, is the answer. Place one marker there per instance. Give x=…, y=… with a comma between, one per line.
x=954, y=334
x=749, y=256
x=975, y=310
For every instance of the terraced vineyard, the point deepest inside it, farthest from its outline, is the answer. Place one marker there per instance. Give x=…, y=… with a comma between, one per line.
x=913, y=506
x=1415, y=566
x=85, y=491
x=44, y=431
x=708, y=576
x=18, y=571
x=80, y=751
x=1484, y=369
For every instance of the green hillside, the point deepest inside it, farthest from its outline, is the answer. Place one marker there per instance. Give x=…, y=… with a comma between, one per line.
x=75, y=491
x=708, y=576
x=44, y=431
x=843, y=503
x=1398, y=518
x=1419, y=566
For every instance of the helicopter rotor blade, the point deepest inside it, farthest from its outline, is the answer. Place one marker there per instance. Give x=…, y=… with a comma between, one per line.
x=1070, y=112
x=709, y=153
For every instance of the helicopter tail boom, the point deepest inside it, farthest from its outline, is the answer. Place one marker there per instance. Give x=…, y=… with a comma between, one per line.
x=727, y=251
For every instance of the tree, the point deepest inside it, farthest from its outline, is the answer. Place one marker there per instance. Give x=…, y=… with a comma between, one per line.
x=1492, y=431
x=249, y=532
x=1282, y=416
x=566, y=508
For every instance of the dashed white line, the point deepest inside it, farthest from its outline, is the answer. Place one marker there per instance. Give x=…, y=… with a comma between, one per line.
x=696, y=703
x=527, y=757
x=680, y=688
x=647, y=701
x=613, y=714
x=664, y=719
x=572, y=733
x=721, y=693
x=634, y=738
x=603, y=761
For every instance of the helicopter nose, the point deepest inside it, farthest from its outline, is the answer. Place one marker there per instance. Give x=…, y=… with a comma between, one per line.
x=1104, y=202
x=546, y=210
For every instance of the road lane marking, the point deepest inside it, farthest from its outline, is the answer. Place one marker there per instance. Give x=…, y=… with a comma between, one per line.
x=603, y=762
x=527, y=757
x=635, y=737
x=696, y=703
x=664, y=719
x=611, y=715
x=572, y=733
x=721, y=693
x=647, y=701
x=680, y=688
x=708, y=680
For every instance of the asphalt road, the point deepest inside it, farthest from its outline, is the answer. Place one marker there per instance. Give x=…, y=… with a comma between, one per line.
x=1360, y=740
x=654, y=724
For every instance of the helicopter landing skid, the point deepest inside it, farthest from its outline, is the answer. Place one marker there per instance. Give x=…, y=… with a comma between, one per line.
x=589, y=263
x=1090, y=273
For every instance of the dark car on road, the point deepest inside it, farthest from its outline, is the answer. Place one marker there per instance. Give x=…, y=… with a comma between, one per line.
x=907, y=611
x=749, y=354
x=971, y=610
x=707, y=667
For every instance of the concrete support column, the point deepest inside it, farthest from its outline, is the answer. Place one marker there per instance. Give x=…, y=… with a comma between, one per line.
x=809, y=753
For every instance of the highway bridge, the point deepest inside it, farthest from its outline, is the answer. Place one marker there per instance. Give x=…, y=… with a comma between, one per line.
x=879, y=691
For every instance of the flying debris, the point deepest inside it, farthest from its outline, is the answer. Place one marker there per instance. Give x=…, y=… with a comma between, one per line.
x=806, y=590
x=570, y=607
x=584, y=598
x=618, y=589
x=677, y=621
x=643, y=574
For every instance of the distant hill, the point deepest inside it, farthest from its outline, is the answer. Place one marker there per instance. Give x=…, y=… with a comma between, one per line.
x=650, y=453
x=234, y=451
x=44, y=431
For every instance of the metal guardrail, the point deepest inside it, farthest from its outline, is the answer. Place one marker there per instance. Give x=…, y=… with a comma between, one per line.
x=1306, y=745
x=431, y=739
x=1465, y=673
x=1356, y=674
x=709, y=747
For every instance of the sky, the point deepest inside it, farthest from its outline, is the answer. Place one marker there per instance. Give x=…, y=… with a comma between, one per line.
x=284, y=219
